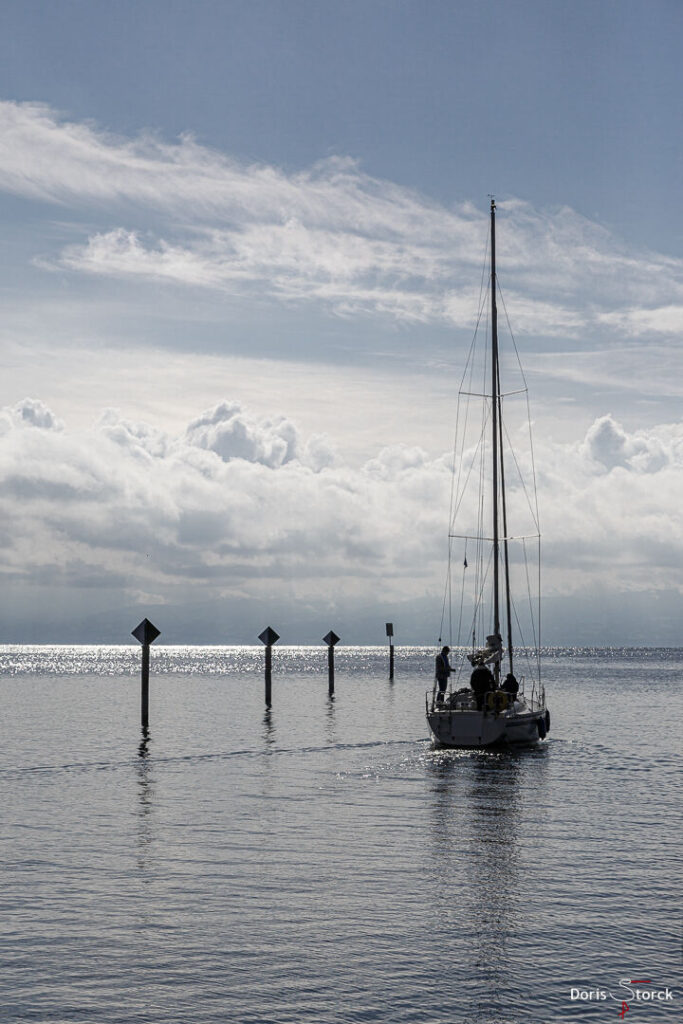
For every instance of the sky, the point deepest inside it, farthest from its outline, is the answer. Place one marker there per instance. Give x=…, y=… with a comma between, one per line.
x=240, y=264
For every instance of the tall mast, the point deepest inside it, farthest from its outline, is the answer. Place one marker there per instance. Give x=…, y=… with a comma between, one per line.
x=495, y=396
x=506, y=555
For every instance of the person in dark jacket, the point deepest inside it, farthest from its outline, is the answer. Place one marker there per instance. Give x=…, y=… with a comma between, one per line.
x=511, y=685
x=482, y=682
x=442, y=670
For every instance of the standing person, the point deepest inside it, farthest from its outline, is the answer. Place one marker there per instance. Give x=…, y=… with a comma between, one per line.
x=443, y=670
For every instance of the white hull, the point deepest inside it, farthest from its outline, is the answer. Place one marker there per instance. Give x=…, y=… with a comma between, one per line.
x=471, y=728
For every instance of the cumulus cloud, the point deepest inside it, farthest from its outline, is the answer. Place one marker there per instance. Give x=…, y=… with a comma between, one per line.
x=332, y=234
x=231, y=499
x=236, y=503
x=610, y=506
x=226, y=431
x=30, y=412
x=608, y=444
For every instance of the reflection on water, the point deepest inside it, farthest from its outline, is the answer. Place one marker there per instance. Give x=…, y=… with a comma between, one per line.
x=493, y=806
x=330, y=722
x=145, y=806
x=476, y=812
x=143, y=749
x=268, y=731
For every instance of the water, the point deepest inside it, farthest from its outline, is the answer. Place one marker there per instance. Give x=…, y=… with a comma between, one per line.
x=321, y=862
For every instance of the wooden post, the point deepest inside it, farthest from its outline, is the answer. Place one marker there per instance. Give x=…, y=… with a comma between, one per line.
x=269, y=674
x=331, y=639
x=146, y=633
x=390, y=634
x=144, y=695
x=269, y=637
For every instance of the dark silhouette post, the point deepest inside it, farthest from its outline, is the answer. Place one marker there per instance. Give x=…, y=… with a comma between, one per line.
x=390, y=633
x=331, y=639
x=269, y=637
x=146, y=633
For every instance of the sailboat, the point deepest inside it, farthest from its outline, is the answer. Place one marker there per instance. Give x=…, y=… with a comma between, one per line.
x=480, y=708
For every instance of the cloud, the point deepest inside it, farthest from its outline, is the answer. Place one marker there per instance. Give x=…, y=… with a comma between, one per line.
x=232, y=499
x=30, y=412
x=237, y=504
x=331, y=234
x=608, y=443
x=225, y=431
x=646, y=370
x=610, y=510
x=667, y=319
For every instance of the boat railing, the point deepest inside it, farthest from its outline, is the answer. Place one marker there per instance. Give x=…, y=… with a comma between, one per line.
x=535, y=702
x=489, y=700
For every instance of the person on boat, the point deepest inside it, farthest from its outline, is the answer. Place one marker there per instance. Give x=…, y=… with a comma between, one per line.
x=482, y=682
x=443, y=670
x=510, y=685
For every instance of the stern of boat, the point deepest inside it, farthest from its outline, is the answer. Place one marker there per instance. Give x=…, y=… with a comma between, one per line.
x=456, y=721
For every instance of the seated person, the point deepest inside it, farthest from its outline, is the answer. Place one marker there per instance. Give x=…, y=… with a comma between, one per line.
x=482, y=682
x=511, y=685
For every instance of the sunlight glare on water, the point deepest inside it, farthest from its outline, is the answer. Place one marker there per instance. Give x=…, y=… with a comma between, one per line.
x=320, y=860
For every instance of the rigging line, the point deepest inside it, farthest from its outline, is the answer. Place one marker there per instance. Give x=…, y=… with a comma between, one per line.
x=485, y=413
x=533, y=462
x=462, y=595
x=523, y=647
x=456, y=499
x=445, y=590
x=460, y=493
x=478, y=594
x=456, y=493
x=455, y=486
x=450, y=605
x=482, y=303
x=455, y=453
x=470, y=352
x=478, y=553
x=531, y=607
x=489, y=540
x=459, y=669
x=514, y=343
x=450, y=514
x=538, y=646
x=481, y=306
x=460, y=456
x=480, y=521
x=506, y=551
x=479, y=456
x=532, y=508
x=521, y=370
x=503, y=394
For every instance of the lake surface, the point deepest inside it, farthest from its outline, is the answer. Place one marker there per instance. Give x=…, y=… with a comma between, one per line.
x=321, y=861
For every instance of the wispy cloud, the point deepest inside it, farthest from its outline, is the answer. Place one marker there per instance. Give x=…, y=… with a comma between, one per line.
x=332, y=234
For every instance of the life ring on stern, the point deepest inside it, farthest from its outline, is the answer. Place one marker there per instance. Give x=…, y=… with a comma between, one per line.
x=497, y=700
